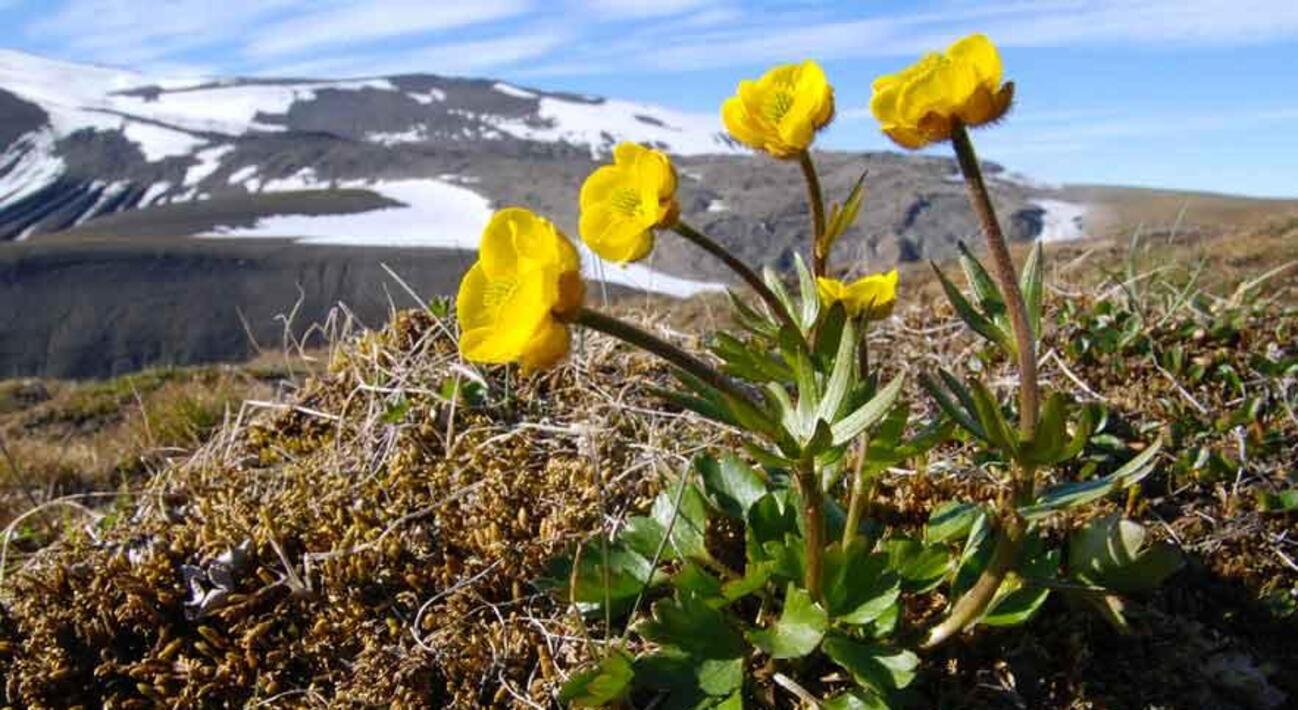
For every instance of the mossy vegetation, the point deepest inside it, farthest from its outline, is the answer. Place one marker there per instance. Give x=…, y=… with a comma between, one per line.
x=381, y=533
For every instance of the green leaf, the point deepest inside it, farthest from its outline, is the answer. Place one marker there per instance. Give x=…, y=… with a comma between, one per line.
x=859, y=586
x=842, y=217
x=769, y=519
x=397, y=410
x=1031, y=284
x=689, y=682
x=1017, y=607
x=798, y=632
x=756, y=574
x=741, y=360
x=751, y=319
x=874, y=666
x=1112, y=552
x=1048, y=445
x=974, y=557
x=999, y=432
x=921, y=568
x=950, y=521
x=956, y=411
x=694, y=580
x=644, y=536
x=788, y=557
x=776, y=284
x=731, y=483
x=603, y=684
x=1071, y=495
x=975, y=320
x=1282, y=502
x=841, y=376
x=829, y=334
x=704, y=408
x=990, y=300
x=810, y=295
x=628, y=573
x=691, y=626
x=688, y=528
x=852, y=425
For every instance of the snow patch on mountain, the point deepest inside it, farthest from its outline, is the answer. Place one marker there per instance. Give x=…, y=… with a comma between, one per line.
x=208, y=160
x=34, y=166
x=602, y=124
x=511, y=90
x=158, y=143
x=1061, y=221
x=432, y=213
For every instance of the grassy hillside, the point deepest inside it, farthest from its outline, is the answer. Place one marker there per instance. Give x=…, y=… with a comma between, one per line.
x=382, y=534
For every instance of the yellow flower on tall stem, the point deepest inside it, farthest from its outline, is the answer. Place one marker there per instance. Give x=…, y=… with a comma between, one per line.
x=516, y=302
x=622, y=203
x=924, y=102
x=872, y=297
x=781, y=112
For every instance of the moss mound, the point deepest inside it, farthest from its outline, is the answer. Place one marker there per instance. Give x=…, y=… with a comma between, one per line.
x=371, y=543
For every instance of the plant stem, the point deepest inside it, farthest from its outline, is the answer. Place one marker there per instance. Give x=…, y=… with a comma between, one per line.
x=856, y=504
x=646, y=341
x=974, y=603
x=817, y=200
x=1029, y=396
x=740, y=268
x=813, y=511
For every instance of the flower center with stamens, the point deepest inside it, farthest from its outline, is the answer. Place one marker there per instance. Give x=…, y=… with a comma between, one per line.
x=627, y=202
x=778, y=103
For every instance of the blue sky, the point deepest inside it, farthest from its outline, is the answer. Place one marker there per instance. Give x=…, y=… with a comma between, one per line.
x=1198, y=94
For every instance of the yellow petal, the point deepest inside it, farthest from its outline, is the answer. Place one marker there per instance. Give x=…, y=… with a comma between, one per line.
x=470, y=307
x=614, y=237
x=734, y=114
x=502, y=338
x=548, y=346
x=874, y=295
x=978, y=52
x=497, y=253
x=600, y=185
x=829, y=290
x=628, y=153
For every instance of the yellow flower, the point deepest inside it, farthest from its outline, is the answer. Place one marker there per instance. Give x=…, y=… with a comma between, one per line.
x=920, y=104
x=872, y=296
x=514, y=304
x=781, y=112
x=622, y=203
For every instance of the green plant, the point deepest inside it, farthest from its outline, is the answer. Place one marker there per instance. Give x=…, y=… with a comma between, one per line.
x=763, y=567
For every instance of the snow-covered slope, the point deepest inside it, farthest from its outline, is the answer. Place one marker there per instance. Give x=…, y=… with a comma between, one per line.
x=80, y=141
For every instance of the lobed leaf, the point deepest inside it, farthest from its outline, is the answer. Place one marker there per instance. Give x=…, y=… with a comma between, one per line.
x=799, y=629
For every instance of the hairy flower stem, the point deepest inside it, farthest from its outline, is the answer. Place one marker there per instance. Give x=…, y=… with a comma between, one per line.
x=1029, y=396
x=651, y=343
x=740, y=268
x=819, y=251
x=813, y=512
x=1011, y=528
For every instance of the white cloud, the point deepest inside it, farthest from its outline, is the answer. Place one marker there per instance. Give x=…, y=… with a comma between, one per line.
x=476, y=56
x=359, y=22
